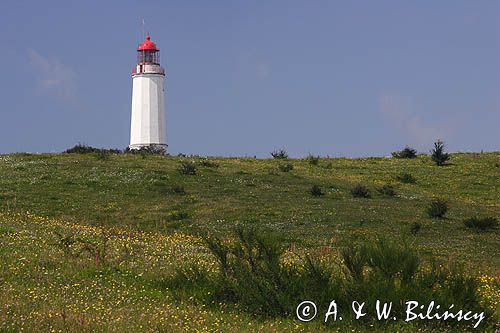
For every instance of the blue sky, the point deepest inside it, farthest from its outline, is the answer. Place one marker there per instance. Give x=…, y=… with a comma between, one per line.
x=338, y=78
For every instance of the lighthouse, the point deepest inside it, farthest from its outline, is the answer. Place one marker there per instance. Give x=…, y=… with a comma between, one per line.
x=148, y=128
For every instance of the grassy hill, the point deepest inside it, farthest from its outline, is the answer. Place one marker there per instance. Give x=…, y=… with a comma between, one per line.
x=153, y=216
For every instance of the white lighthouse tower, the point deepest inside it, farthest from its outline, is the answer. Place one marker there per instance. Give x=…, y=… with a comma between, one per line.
x=148, y=128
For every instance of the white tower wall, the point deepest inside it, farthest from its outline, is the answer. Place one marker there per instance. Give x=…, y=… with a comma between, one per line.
x=148, y=126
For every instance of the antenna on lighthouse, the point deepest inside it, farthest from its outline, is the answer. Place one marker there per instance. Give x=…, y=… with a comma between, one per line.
x=143, y=24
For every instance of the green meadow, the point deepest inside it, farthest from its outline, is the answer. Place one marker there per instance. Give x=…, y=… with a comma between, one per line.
x=88, y=242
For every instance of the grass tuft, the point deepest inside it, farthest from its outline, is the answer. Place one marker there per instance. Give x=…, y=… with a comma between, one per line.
x=360, y=191
x=437, y=208
x=484, y=223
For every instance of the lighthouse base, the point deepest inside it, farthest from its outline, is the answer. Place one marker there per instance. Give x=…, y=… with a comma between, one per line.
x=154, y=148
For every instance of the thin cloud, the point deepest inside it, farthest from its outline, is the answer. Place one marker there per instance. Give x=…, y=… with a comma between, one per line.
x=53, y=78
x=262, y=71
x=398, y=114
x=253, y=65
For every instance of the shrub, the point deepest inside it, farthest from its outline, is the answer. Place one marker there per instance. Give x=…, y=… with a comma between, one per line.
x=251, y=272
x=188, y=167
x=177, y=216
x=253, y=275
x=405, y=153
x=178, y=189
x=387, y=190
x=208, y=163
x=73, y=245
x=406, y=178
x=97, y=248
x=147, y=150
x=316, y=191
x=313, y=160
x=102, y=155
x=437, y=208
x=438, y=154
x=391, y=260
x=66, y=242
x=84, y=149
x=415, y=228
x=279, y=154
x=354, y=261
x=285, y=167
x=481, y=223
x=360, y=191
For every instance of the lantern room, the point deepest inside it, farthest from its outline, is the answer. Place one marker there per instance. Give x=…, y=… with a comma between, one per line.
x=147, y=53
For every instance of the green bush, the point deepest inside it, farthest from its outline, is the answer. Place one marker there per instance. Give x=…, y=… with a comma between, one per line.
x=188, y=167
x=391, y=260
x=316, y=191
x=313, y=160
x=252, y=275
x=81, y=149
x=84, y=149
x=437, y=208
x=208, y=163
x=285, y=167
x=354, y=261
x=66, y=242
x=438, y=154
x=406, y=178
x=178, y=189
x=279, y=154
x=387, y=190
x=102, y=155
x=484, y=223
x=147, y=150
x=405, y=153
x=415, y=228
x=74, y=246
x=177, y=216
x=360, y=191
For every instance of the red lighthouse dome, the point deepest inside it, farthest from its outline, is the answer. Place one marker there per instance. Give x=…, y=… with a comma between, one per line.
x=147, y=45
x=147, y=53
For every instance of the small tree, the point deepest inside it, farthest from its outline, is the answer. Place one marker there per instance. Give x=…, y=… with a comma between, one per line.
x=405, y=153
x=188, y=167
x=279, y=154
x=406, y=178
x=481, y=223
x=313, y=160
x=438, y=154
x=316, y=191
x=415, y=228
x=205, y=162
x=387, y=190
x=360, y=191
x=178, y=189
x=437, y=208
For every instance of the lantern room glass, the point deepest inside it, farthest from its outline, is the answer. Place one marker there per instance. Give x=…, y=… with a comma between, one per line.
x=148, y=57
